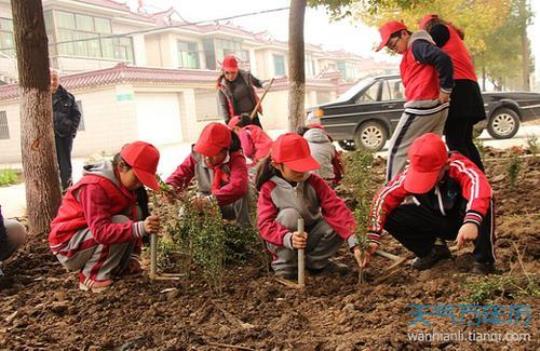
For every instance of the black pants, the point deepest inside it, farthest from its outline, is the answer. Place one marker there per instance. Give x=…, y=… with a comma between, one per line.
x=417, y=228
x=459, y=137
x=63, y=155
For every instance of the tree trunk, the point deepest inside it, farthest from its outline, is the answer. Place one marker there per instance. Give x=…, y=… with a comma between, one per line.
x=297, y=76
x=37, y=138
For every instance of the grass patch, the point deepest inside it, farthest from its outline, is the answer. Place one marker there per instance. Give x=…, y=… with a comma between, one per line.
x=491, y=288
x=9, y=176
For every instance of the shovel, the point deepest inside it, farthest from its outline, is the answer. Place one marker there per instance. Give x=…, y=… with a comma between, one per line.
x=301, y=264
x=254, y=112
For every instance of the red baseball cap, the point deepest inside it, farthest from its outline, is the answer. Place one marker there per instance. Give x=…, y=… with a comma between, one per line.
x=233, y=122
x=424, y=21
x=427, y=156
x=229, y=63
x=214, y=138
x=143, y=159
x=293, y=151
x=386, y=31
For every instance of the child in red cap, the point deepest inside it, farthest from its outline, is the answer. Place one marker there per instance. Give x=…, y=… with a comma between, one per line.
x=467, y=105
x=426, y=73
x=96, y=231
x=236, y=91
x=450, y=199
x=217, y=164
x=323, y=150
x=287, y=191
x=255, y=142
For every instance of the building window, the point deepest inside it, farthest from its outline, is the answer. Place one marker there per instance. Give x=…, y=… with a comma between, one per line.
x=74, y=27
x=7, y=42
x=309, y=65
x=4, y=127
x=188, y=55
x=82, y=127
x=226, y=47
x=279, y=65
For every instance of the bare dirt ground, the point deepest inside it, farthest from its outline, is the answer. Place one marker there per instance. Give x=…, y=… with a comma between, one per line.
x=42, y=309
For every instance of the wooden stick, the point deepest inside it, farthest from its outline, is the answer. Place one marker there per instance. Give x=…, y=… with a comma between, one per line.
x=301, y=257
x=153, y=256
x=252, y=115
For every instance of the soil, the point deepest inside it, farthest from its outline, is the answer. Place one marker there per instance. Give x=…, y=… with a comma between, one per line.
x=42, y=309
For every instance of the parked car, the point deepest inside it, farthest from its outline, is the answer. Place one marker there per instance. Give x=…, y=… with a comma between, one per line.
x=367, y=114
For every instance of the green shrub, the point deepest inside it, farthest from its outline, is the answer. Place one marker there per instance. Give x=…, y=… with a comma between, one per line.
x=492, y=287
x=8, y=176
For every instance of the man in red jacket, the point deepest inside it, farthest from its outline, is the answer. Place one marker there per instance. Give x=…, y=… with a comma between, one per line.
x=426, y=72
x=439, y=195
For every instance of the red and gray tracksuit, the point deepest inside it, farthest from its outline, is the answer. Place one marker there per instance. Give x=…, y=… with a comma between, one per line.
x=462, y=196
x=227, y=182
x=94, y=231
x=256, y=144
x=425, y=72
x=322, y=150
x=327, y=219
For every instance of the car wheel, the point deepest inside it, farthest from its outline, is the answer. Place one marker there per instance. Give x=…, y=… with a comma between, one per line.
x=503, y=124
x=371, y=136
x=347, y=145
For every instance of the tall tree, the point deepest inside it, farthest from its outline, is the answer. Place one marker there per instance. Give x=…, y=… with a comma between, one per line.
x=297, y=75
x=37, y=139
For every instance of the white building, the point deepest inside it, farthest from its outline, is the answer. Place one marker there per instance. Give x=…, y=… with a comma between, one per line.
x=152, y=76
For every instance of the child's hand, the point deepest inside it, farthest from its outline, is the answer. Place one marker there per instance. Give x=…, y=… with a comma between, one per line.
x=152, y=224
x=299, y=241
x=467, y=232
x=363, y=261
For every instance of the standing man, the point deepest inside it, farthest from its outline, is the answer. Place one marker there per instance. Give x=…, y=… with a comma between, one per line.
x=426, y=72
x=236, y=91
x=66, y=118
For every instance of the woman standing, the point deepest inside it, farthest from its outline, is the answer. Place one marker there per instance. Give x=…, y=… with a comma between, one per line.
x=466, y=103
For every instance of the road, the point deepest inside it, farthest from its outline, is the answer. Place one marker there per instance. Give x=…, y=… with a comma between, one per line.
x=13, y=201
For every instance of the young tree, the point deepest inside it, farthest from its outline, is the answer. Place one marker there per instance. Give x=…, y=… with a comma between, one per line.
x=297, y=75
x=37, y=139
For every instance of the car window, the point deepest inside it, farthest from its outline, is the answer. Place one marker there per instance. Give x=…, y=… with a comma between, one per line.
x=359, y=86
x=370, y=95
x=392, y=90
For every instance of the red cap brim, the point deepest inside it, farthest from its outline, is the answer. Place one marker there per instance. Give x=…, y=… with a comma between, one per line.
x=207, y=149
x=420, y=182
x=382, y=44
x=147, y=178
x=303, y=165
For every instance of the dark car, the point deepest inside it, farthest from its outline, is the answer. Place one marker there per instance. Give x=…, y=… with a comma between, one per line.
x=367, y=114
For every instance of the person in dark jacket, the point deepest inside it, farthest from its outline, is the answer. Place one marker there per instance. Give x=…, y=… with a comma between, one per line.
x=12, y=236
x=440, y=194
x=66, y=118
x=466, y=103
x=426, y=72
x=236, y=91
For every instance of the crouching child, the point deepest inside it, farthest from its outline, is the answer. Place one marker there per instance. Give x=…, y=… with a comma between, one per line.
x=287, y=192
x=440, y=196
x=219, y=167
x=96, y=231
x=12, y=237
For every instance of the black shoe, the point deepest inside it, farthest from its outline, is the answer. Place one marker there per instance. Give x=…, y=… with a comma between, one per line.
x=438, y=252
x=483, y=268
x=331, y=268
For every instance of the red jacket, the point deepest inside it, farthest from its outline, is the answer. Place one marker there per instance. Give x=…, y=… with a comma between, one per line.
x=460, y=56
x=91, y=203
x=234, y=182
x=472, y=181
x=425, y=71
x=256, y=144
x=320, y=201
